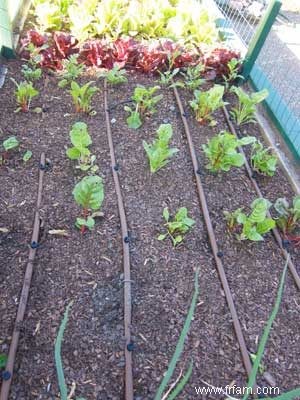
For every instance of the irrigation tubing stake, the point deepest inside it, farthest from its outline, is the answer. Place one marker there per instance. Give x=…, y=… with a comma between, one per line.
x=126, y=259
x=213, y=242
x=8, y=373
x=275, y=231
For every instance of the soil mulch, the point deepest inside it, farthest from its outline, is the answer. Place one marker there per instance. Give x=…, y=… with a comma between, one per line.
x=87, y=269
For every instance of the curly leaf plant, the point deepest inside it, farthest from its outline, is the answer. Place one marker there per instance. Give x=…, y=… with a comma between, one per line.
x=263, y=160
x=254, y=225
x=82, y=96
x=245, y=110
x=178, y=226
x=222, y=152
x=24, y=93
x=159, y=152
x=89, y=194
x=145, y=103
x=206, y=102
x=81, y=139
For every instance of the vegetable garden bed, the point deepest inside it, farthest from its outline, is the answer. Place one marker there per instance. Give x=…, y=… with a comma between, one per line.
x=85, y=266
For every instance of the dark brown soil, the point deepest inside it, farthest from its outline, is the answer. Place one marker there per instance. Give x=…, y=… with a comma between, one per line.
x=88, y=268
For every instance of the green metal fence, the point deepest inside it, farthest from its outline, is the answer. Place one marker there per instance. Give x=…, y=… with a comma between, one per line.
x=269, y=63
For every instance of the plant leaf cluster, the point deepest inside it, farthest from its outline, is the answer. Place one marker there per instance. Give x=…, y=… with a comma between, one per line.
x=288, y=219
x=263, y=160
x=72, y=70
x=82, y=96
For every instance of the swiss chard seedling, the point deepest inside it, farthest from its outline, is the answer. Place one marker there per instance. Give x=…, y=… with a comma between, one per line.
x=263, y=160
x=178, y=226
x=193, y=76
x=158, y=152
x=80, y=140
x=145, y=103
x=245, y=110
x=114, y=76
x=232, y=75
x=82, y=96
x=89, y=194
x=222, y=152
x=254, y=225
x=288, y=219
x=8, y=144
x=206, y=102
x=24, y=93
x=72, y=70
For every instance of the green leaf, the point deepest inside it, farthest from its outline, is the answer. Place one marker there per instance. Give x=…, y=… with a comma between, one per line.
x=162, y=236
x=265, y=226
x=247, y=140
x=166, y=214
x=181, y=384
x=73, y=153
x=63, y=83
x=57, y=355
x=3, y=360
x=134, y=120
x=27, y=155
x=180, y=344
x=89, y=192
x=90, y=222
x=10, y=143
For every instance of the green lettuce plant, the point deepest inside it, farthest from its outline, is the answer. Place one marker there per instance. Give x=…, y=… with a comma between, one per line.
x=254, y=225
x=145, y=103
x=178, y=226
x=115, y=76
x=80, y=140
x=158, y=152
x=263, y=160
x=82, y=96
x=89, y=194
x=222, y=152
x=24, y=93
x=244, y=112
x=206, y=102
x=72, y=70
x=288, y=219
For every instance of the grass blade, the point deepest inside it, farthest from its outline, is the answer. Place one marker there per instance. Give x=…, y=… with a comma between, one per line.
x=291, y=395
x=265, y=336
x=57, y=355
x=180, y=343
x=181, y=384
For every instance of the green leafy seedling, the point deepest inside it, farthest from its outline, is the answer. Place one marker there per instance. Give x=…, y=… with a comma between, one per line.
x=206, y=102
x=115, y=76
x=178, y=226
x=244, y=113
x=175, y=390
x=288, y=219
x=82, y=96
x=158, y=152
x=3, y=360
x=72, y=70
x=263, y=160
x=81, y=139
x=89, y=194
x=192, y=76
x=24, y=93
x=233, y=66
x=31, y=74
x=10, y=143
x=254, y=225
x=222, y=152
x=145, y=103
x=27, y=156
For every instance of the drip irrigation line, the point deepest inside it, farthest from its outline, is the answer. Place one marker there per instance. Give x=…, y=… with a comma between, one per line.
x=8, y=373
x=275, y=231
x=126, y=259
x=216, y=253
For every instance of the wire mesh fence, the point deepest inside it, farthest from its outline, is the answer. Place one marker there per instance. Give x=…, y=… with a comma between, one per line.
x=277, y=67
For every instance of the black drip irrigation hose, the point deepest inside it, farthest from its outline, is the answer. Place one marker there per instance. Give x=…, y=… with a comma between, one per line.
x=275, y=231
x=129, y=346
x=216, y=253
x=34, y=244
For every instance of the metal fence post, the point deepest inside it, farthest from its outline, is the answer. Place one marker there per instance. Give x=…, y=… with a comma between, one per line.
x=260, y=36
